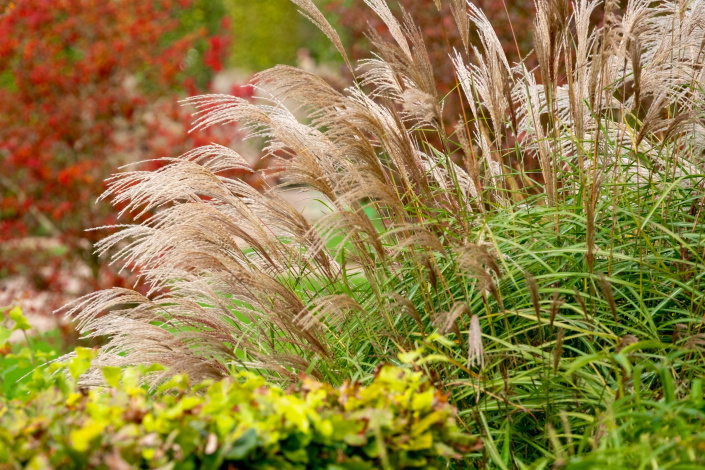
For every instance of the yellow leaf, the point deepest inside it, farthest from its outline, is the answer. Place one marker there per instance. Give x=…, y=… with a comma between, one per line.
x=424, y=441
x=422, y=401
x=73, y=399
x=81, y=438
x=325, y=428
x=38, y=462
x=148, y=454
x=428, y=421
x=85, y=353
x=224, y=424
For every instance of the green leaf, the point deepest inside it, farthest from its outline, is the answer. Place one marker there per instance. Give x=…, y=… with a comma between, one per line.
x=151, y=368
x=4, y=334
x=179, y=382
x=432, y=359
x=38, y=462
x=583, y=361
x=437, y=338
x=355, y=440
x=112, y=376
x=696, y=390
x=623, y=361
x=296, y=456
x=78, y=366
x=506, y=445
x=490, y=445
x=424, y=441
x=242, y=446
x=669, y=389
x=21, y=322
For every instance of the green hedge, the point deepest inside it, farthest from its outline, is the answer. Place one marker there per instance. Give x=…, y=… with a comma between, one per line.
x=398, y=421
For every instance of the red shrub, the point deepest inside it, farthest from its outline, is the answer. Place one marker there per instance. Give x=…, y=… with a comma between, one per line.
x=86, y=86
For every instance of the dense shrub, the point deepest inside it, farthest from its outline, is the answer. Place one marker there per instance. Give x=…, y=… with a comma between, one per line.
x=80, y=84
x=398, y=421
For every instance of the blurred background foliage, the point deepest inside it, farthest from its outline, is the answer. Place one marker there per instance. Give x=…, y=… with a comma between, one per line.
x=258, y=30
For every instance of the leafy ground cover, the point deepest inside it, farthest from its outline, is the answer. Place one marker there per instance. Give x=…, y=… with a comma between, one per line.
x=397, y=421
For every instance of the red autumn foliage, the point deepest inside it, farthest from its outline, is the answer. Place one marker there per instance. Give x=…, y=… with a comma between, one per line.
x=86, y=86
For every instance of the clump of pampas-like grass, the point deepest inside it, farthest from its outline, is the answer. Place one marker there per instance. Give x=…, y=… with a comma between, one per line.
x=563, y=213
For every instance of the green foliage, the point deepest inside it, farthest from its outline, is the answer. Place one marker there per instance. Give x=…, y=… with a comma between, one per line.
x=258, y=30
x=18, y=359
x=398, y=421
x=259, y=27
x=18, y=317
x=636, y=433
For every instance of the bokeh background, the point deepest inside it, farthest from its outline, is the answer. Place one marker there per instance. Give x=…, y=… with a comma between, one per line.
x=87, y=86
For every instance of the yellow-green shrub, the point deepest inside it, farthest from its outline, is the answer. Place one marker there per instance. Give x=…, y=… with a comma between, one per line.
x=398, y=421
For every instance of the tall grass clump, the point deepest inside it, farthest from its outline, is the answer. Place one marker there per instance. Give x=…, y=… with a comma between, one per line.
x=542, y=262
